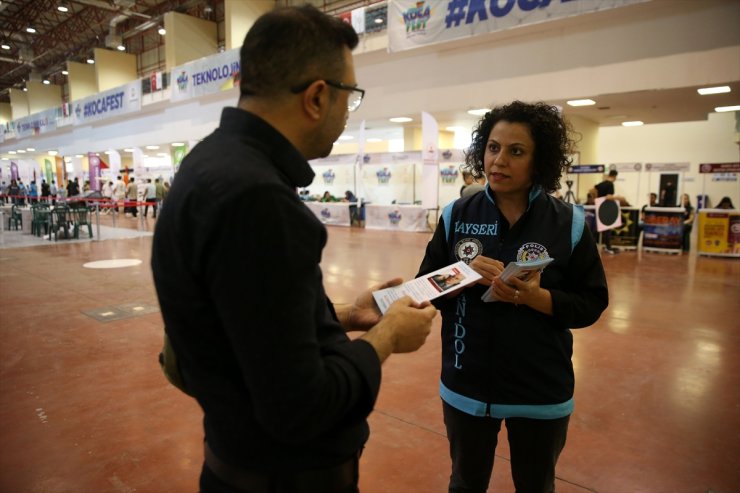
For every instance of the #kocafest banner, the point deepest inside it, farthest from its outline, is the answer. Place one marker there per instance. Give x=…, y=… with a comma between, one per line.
x=114, y=102
x=212, y=74
x=415, y=23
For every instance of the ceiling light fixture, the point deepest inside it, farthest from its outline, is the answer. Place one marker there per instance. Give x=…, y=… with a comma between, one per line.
x=723, y=109
x=91, y=61
x=5, y=46
x=121, y=48
x=346, y=137
x=21, y=151
x=53, y=153
x=30, y=149
x=636, y=123
x=63, y=7
x=374, y=139
x=30, y=30
x=152, y=147
x=478, y=112
x=581, y=102
x=713, y=90
x=65, y=72
x=162, y=31
x=401, y=119
x=128, y=150
x=11, y=152
x=46, y=82
x=177, y=144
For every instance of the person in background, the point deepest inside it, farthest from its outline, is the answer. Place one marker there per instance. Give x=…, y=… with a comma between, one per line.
x=668, y=195
x=14, y=191
x=284, y=391
x=119, y=193
x=606, y=189
x=107, y=192
x=510, y=360
x=132, y=197
x=3, y=193
x=33, y=193
x=23, y=192
x=725, y=203
x=688, y=221
x=468, y=179
x=45, y=191
x=478, y=185
x=328, y=197
x=53, y=191
x=652, y=202
x=150, y=197
x=159, y=193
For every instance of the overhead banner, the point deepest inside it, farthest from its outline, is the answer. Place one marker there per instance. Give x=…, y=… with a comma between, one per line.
x=108, y=104
x=38, y=123
x=586, y=168
x=209, y=75
x=416, y=23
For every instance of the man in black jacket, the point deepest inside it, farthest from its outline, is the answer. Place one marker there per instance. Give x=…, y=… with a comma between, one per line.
x=236, y=260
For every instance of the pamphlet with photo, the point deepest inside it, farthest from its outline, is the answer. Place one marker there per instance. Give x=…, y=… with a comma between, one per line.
x=428, y=287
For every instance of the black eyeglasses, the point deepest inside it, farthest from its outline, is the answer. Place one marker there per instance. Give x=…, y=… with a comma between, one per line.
x=354, y=101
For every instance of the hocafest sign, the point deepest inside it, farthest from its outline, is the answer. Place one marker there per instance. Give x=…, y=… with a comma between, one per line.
x=115, y=102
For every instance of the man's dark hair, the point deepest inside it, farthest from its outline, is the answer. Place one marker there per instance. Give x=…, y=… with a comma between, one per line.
x=290, y=46
x=613, y=172
x=550, y=133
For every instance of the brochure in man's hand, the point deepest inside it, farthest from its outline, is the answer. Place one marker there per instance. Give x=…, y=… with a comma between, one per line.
x=521, y=270
x=428, y=287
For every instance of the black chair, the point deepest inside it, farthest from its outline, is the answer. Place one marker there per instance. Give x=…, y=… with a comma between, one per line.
x=15, y=218
x=40, y=218
x=60, y=220
x=81, y=217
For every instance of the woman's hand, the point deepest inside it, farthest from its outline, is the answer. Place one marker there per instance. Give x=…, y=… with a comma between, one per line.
x=488, y=268
x=525, y=292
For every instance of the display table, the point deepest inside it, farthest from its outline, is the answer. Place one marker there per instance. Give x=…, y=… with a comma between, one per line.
x=718, y=232
x=332, y=213
x=662, y=230
x=396, y=217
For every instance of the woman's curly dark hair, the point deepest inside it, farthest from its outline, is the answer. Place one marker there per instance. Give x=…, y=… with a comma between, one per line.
x=550, y=132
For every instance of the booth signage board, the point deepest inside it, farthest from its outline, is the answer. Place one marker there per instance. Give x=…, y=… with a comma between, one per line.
x=719, y=232
x=719, y=168
x=663, y=229
x=586, y=168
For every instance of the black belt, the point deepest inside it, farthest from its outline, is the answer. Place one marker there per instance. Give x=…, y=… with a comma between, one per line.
x=337, y=478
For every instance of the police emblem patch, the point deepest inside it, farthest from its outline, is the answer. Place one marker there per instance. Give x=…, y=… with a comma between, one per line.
x=531, y=251
x=467, y=249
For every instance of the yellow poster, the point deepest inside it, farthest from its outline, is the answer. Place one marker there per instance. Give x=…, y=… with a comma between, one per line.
x=714, y=228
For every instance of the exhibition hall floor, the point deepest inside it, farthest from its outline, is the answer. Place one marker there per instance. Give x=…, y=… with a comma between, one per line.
x=85, y=408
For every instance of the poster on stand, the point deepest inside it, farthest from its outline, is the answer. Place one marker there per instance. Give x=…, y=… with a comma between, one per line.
x=719, y=232
x=627, y=234
x=663, y=229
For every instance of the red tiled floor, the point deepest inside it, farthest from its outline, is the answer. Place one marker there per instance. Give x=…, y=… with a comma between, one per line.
x=84, y=407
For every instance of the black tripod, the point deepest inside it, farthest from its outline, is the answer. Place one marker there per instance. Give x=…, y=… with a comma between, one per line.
x=569, y=195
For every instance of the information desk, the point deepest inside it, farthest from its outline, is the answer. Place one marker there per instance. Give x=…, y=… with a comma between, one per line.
x=718, y=232
x=396, y=217
x=332, y=213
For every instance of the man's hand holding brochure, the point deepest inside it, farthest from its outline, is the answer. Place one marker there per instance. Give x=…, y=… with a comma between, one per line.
x=428, y=287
